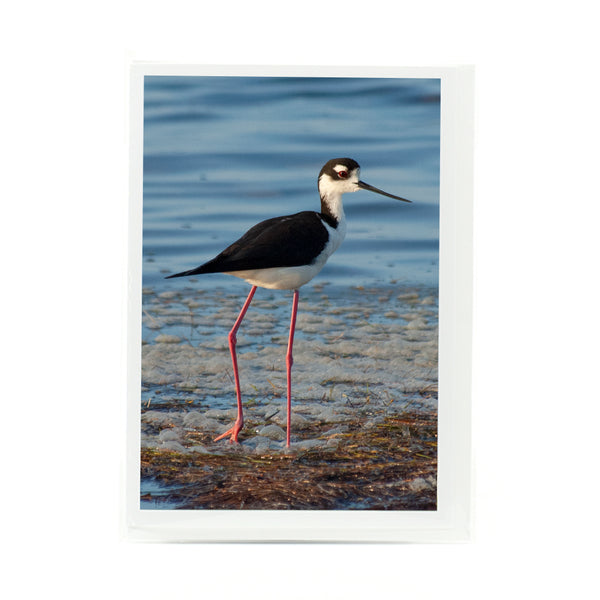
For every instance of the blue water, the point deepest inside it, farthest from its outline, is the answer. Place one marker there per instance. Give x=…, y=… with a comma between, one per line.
x=223, y=153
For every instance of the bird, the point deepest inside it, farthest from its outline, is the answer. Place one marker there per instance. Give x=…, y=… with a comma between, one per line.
x=285, y=253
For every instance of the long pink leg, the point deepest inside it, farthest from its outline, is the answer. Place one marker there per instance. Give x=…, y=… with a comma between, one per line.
x=239, y=422
x=289, y=361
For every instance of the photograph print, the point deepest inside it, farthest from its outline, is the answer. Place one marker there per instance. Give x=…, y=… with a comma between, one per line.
x=290, y=254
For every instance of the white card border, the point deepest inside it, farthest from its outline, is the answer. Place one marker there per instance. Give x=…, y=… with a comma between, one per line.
x=452, y=521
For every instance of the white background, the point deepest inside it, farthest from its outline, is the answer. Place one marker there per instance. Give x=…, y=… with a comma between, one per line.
x=64, y=190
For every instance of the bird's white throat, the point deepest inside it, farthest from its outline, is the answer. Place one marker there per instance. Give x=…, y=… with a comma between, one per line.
x=331, y=192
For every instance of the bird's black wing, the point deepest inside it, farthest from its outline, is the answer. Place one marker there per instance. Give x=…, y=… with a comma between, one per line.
x=289, y=241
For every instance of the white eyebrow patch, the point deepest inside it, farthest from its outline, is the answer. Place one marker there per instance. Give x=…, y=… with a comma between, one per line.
x=355, y=173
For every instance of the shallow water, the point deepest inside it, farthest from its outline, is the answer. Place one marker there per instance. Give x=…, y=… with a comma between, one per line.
x=377, y=342
x=364, y=406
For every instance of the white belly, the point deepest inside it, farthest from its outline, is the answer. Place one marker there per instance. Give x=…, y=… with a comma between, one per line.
x=279, y=278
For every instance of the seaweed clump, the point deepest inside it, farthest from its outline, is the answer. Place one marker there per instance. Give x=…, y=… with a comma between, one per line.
x=389, y=465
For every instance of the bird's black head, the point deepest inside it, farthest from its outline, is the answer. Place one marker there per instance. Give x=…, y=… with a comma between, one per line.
x=341, y=175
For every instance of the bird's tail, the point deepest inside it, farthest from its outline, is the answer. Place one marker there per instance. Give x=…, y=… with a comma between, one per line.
x=205, y=268
x=185, y=273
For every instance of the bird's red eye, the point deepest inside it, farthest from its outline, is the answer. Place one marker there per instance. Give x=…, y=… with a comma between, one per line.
x=342, y=174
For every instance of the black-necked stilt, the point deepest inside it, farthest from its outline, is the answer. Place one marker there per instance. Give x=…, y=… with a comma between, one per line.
x=284, y=253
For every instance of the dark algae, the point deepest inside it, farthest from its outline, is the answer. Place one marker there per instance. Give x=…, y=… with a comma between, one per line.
x=390, y=465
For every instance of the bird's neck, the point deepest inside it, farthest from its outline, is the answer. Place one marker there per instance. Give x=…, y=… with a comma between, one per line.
x=332, y=209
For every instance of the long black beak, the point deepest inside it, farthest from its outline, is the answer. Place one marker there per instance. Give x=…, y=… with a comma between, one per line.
x=371, y=188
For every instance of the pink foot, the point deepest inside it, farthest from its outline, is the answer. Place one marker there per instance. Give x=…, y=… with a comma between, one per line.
x=233, y=432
